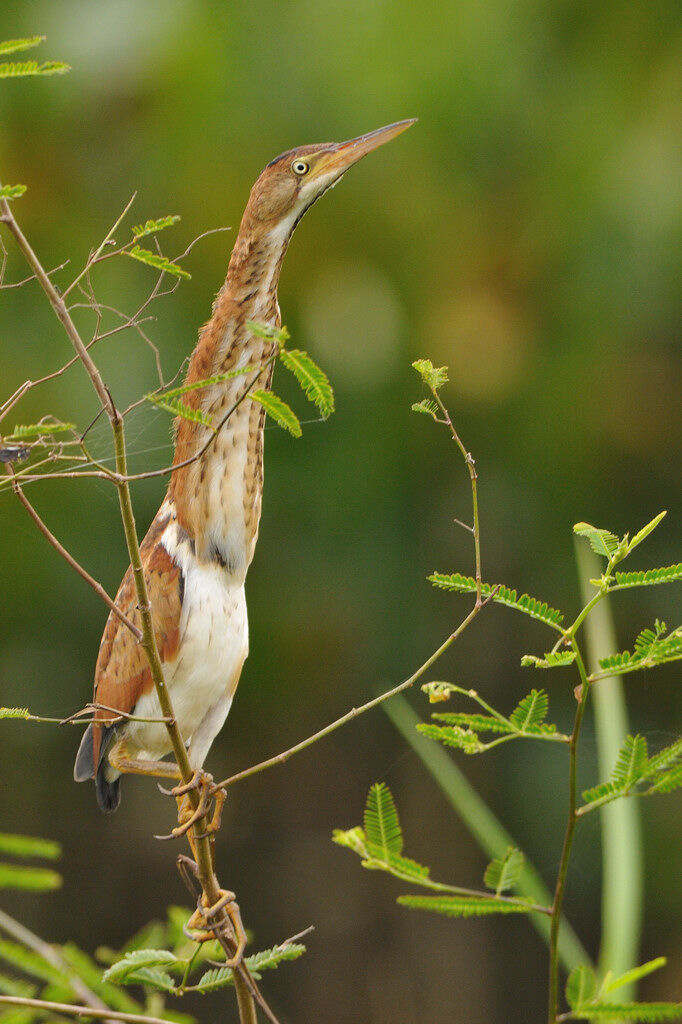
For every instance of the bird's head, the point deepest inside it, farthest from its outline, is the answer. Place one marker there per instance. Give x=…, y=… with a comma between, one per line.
x=291, y=183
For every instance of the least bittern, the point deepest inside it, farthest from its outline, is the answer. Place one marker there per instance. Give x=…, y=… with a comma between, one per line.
x=201, y=541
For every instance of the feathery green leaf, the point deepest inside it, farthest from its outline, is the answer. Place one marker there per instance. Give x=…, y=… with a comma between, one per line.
x=427, y=406
x=668, y=757
x=150, y=227
x=313, y=380
x=602, y=542
x=15, y=45
x=268, y=958
x=530, y=712
x=501, y=594
x=645, y=531
x=580, y=987
x=31, y=68
x=475, y=722
x=503, y=873
x=15, y=713
x=382, y=827
x=433, y=376
x=630, y=977
x=453, y=736
x=556, y=659
x=29, y=846
x=11, y=191
x=136, y=959
x=463, y=906
x=641, y=1012
x=631, y=762
x=278, y=409
x=153, y=259
x=352, y=838
x=667, y=781
x=651, y=648
x=152, y=976
x=650, y=577
x=48, y=426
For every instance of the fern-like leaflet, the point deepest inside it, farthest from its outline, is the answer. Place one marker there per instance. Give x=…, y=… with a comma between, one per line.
x=313, y=380
x=502, y=595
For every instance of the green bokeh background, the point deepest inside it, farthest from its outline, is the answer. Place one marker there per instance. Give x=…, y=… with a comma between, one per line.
x=526, y=233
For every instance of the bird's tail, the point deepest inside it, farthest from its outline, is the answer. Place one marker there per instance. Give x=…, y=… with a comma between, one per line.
x=107, y=783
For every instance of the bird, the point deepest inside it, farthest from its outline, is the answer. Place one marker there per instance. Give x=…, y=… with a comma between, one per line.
x=201, y=541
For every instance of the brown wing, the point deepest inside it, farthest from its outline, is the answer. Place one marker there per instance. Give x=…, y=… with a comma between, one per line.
x=122, y=673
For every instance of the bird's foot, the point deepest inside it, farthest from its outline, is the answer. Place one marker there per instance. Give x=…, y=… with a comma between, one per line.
x=204, y=923
x=188, y=815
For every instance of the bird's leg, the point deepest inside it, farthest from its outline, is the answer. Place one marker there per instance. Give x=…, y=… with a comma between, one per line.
x=136, y=766
x=200, y=928
x=188, y=815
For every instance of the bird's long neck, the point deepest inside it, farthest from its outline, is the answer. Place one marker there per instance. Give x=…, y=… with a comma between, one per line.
x=217, y=497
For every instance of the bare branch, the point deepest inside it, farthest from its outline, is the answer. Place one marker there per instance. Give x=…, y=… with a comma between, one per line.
x=68, y=557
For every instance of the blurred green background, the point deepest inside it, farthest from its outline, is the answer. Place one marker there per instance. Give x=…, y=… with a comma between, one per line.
x=526, y=232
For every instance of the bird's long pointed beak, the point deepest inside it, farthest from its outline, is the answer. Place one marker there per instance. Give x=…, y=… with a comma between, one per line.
x=343, y=155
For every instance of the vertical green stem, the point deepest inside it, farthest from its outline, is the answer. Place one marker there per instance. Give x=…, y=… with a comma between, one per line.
x=620, y=821
x=568, y=840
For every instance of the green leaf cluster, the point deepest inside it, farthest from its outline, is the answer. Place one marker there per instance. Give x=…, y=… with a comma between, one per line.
x=11, y=191
x=589, y=1000
x=652, y=647
x=26, y=68
x=433, y=376
x=636, y=772
x=379, y=844
x=462, y=730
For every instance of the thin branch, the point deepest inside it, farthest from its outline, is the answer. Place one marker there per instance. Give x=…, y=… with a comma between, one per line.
x=31, y=277
x=354, y=712
x=59, y=307
x=571, y=823
x=68, y=557
x=94, y=256
x=82, y=1011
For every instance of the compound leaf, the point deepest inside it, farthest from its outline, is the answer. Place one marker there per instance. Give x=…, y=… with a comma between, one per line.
x=313, y=380
x=464, y=906
x=433, y=376
x=154, y=259
x=278, y=409
x=502, y=595
x=135, y=960
x=602, y=542
x=503, y=873
x=580, y=987
x=382, y=827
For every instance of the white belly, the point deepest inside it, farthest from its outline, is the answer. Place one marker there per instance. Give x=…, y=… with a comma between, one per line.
x=213, y=643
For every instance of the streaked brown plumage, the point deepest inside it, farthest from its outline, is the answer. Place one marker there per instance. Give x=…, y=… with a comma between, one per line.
x=198, y=548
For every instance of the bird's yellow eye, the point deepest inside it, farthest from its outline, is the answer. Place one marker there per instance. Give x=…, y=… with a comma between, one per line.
x=300, y=167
